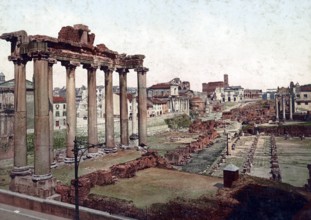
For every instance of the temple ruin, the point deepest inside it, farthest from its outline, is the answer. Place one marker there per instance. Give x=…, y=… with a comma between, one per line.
x=73, y=48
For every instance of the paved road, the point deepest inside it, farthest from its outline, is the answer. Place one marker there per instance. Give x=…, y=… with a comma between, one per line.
x=14, y=213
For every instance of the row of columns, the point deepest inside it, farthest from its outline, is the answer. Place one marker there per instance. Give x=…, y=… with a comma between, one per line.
x=280, y=100
x=43, y=101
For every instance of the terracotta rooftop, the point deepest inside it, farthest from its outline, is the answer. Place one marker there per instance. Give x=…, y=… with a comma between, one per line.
x=58, y=99
x=160, y=86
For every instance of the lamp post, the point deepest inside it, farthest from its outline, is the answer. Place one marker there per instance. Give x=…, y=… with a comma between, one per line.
x=76, y=150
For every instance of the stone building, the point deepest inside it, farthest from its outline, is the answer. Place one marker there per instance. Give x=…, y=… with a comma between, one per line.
x=210, y=87
x=269, y=94
x=2, y=77
x=73, y=47
x=175, y=93
x=197, y=105
x=229, y=94
x=303, y=98
x=252, y=94
x=60, y=112
x=284, y=103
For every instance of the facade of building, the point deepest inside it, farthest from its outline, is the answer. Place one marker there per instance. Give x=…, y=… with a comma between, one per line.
x=173, y=96
x=252, y=94
x=210, y=87
x=269, y=94
x=60, y=112
x=303, y=98
x=229, y=94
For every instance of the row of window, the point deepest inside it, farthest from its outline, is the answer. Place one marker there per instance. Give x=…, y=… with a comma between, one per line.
x=299, y=103
x=57, y=114
x=304, y=95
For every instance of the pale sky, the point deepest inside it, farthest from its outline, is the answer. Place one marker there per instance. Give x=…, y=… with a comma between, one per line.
x=260, y=44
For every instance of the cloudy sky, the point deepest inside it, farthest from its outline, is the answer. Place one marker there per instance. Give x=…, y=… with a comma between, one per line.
x=258, y=43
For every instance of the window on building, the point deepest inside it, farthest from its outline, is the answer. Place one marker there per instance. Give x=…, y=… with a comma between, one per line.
x=305, y=95
x=57, y=113
x=57, y=123
x=64, y=106
x=0, y=105
x=298, y=103
x=64, y=113
x=64, y=121
x=306, y=103
x=298, y=95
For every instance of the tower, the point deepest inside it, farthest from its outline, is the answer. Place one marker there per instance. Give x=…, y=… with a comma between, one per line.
x=226, y=80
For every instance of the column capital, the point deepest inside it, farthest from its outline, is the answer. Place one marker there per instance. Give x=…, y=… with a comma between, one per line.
x=122, y=70
x=19, y=59
x=107, y=69
x=70, y=64
x=142, y=70
x=40, y=55
x=52, y=61
x=90, y=66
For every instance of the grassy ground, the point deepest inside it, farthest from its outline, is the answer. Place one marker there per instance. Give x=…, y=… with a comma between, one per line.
x=66, y=173
x=294, y=155
x=161, y=142
x=160, y=185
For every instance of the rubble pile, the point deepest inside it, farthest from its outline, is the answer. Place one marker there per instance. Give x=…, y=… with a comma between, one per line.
x=181, y=155
x=129, y=169
x=259, y=112
x=275, y=169
x=250, y=157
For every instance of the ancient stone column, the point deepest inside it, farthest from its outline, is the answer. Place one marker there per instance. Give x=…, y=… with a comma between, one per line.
x=277, y=108
x=92, y=109
x=123, y=106
x=290, y=107
x=20, y=119
x=42, y=170
x=71, y=116
x=284, y=107
x=142, y=105
x=134, y=117
x=51, y=118
x=109, y=119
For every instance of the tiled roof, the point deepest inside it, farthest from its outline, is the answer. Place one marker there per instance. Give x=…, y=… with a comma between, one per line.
x=58, y=99
x=160, y=86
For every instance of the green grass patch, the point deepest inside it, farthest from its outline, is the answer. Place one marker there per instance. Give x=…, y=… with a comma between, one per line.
x=155, y=185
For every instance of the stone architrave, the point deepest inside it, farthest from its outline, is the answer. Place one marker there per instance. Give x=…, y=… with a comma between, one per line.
x=51, y=116
x=20, y=118
x=71, y=116
x=123, y=106
x=109, y=118
x=92, y=109
x=42, y=170
x=142, y=105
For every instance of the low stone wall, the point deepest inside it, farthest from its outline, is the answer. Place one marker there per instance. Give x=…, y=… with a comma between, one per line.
x=106, y=177
x=292, y=130
x=52, y=207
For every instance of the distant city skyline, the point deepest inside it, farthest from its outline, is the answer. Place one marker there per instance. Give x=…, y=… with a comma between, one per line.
x=259, y=44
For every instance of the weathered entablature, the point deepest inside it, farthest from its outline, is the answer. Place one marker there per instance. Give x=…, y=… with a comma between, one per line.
x=73, y=48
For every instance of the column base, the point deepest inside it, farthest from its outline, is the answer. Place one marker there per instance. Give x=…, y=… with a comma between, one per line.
x=20, y=171
x=53, y=164
x=40, y=188
x=69, y=160
x=92, y=155
x=109, y=150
